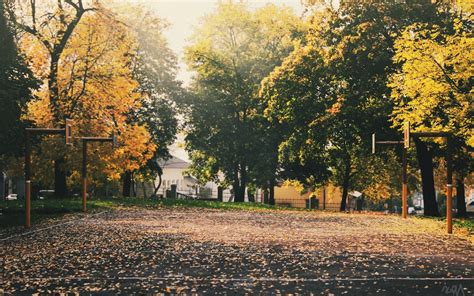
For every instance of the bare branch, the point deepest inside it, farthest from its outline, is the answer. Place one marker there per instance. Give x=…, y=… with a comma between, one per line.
x=59, y=47
x=446, y=75
x=33, y=13
x=76, y=7
x=62, y=17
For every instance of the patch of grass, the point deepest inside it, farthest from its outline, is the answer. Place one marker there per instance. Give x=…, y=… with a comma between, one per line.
x=12, y=212
x=466, y=224
x=211, y=204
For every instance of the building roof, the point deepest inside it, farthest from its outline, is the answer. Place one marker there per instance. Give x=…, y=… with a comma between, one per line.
x=355, y=193
x=173, y=163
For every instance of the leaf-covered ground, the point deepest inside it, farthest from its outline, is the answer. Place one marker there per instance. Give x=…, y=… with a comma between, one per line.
x=208, y=251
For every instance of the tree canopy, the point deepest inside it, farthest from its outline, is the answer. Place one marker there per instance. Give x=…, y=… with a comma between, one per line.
x=274, y=96
x=231, y=53
x=111, y=76
x=16, y=85
x=333, y=93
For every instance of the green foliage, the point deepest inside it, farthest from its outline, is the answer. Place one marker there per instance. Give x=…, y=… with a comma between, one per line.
x=12, y=211
x=332, y=92
x=16, y=85
x=154, y=68
x=294, y=98
x=433, y=88
x=231, y=52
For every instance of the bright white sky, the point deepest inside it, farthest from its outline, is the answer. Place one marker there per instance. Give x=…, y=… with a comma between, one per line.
x=185, y=15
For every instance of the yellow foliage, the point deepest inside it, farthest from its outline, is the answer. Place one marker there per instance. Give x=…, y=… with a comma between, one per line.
x=296, y=184
x=98, y=92
x=433, y=90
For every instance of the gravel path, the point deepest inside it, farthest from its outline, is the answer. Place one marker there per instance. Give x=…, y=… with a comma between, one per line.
x=236, y=252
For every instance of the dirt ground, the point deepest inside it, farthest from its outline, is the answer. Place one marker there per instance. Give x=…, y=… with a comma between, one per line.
x=204, y=251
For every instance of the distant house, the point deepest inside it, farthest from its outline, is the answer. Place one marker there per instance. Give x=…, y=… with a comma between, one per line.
x=11, y=185
x=288, y=195
x=328, y=197
x=174, y=172
x=418, y=202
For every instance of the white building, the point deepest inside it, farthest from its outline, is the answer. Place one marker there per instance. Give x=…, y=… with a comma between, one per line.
x=174, y=172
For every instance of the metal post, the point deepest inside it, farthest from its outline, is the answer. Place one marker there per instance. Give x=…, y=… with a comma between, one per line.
x=84, y=175
x=324, y=197
x=27, y=180
x=404, y=184
x=85, y=140
x=28, y=203
x=28, y=131
x=220, y=194
x=449, y=195
x=405, y=144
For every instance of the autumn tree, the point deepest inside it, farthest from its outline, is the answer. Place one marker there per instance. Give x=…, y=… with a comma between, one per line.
x=332, y=91
x=231, y=52
x=154, y=68
x=433, y=89
x=16, y=85
x=52, y=25
x=98, y=92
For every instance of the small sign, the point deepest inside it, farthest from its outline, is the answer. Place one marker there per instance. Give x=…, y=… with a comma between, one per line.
x=373, y=143
x=114, y=140
x=68, y=132
x=406, y=135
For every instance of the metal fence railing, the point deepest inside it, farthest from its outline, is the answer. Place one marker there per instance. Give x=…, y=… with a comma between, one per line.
x=281, y=200
x=304, y=203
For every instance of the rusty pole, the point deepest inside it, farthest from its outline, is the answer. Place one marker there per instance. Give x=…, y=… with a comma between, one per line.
x=85, y=140
x=84, y=175
x=449, y=195
x=405, y=145
x=27, y=179
x=404, y=184
x=28, y=132
x=449, y=181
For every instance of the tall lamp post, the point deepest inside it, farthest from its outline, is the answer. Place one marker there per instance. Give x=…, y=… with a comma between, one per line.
x=67, y=131
x=86, y=140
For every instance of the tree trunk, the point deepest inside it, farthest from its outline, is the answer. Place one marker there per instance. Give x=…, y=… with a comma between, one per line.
x=220, y=194
x=251, y=196
x=240, y=183
x=271, y=197
x=265, y=196
x=60, y=185
x=144, y=189
x=345, y=186
x=425, y=161
x=134, y=185
x=127, y=184
x=157, y=187
x=461, y=198
x=242, y=193
x=239, y=192
x=53, y=86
